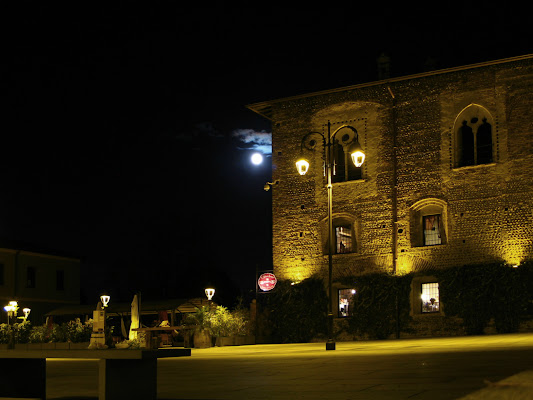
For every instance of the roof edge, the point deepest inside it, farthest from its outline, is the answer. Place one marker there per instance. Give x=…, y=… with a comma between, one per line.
x=262, y=108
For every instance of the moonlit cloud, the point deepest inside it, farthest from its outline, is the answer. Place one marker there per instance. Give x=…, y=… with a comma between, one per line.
x=258, y=141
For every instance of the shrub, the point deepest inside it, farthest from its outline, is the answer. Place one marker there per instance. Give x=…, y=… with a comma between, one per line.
x=200, y=319
x=39, y=334
x=77, y=332
x=295, y=313
x=479, y=293
x=22, y=331
x=220, y=321
x=5, y=333
x=381, y=305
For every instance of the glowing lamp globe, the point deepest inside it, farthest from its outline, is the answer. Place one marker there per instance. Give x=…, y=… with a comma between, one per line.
x=302, y=165
x=209, y=292
x=105, y=300
x=358, y=157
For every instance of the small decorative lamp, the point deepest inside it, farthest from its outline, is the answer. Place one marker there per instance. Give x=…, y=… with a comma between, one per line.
x=105, y=300
x=358, y=157
x=302, y=165
x=26, y=312
x=209, y=292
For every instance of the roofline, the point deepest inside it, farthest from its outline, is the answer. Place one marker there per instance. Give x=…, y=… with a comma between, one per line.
x=259, y=107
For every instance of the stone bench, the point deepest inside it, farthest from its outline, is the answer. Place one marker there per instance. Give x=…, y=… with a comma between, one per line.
x=122, y=374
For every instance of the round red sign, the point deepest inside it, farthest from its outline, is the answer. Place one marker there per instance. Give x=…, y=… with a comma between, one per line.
x=267, y=281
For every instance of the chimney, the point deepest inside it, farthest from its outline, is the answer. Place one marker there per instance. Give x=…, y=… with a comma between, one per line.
x=384, y=66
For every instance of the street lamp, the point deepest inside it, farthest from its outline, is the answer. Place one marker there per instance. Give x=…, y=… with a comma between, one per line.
x=358, y=157
x=105, y=300
x=11, y=309
x=209, y=292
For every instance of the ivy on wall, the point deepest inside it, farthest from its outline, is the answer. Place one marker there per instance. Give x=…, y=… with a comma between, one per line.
x=295, y=313
x=479, y=293
x=380, y=306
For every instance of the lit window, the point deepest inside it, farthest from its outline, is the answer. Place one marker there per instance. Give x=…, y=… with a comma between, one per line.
x=345, y=298
x=430, y=297
x=343, y=239
x=432, y=229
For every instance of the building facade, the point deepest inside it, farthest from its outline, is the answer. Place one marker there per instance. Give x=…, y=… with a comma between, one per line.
x=447, y=180
x=38, y=281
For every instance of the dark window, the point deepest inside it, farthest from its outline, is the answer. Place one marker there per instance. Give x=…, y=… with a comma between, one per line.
x=484, y=143
x=1, y=274
x=430, y=297
x=343, y=239
x=475, y=142
x=30, y=277
x=432, y=229
x=345, y=302
x=344, y=168
x=60, y=280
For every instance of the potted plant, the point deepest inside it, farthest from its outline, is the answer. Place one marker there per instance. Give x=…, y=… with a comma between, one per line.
x=231, y=328
x=201, y=322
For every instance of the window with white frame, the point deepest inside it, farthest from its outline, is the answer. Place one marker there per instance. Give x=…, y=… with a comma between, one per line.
x=343, y=239
x=432, y=229
x=430, y=297
x=428, y=222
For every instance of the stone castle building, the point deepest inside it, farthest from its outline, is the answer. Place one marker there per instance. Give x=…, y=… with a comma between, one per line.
x=447, y=180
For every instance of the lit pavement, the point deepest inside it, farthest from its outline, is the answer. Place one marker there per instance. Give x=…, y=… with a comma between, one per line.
x=442, y=368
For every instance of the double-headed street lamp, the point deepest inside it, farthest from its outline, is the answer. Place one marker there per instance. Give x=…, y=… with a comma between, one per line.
x=351, y=141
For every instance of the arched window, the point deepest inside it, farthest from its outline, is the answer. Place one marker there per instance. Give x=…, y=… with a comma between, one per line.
x=344, y=168
x=474, y=137
x=428, y=223
x=344, y=234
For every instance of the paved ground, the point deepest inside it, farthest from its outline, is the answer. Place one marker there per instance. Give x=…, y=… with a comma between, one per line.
x=433, y=369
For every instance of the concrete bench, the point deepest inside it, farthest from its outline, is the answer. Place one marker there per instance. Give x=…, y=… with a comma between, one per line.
x=122, y=374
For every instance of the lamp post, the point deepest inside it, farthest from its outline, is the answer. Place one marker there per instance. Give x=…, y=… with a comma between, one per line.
x=98, y=334
x=209, y=293
x=11, y=309
x=358, y=157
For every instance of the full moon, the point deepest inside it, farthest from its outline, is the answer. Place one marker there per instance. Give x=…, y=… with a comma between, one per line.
x=257, y=158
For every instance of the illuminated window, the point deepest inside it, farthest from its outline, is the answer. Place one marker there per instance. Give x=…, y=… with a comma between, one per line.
x=430, y=297
x=428, y=223
x=344, y=169
x=345, y=299
x=432, y=229
x=343, y=239
x=30, y=277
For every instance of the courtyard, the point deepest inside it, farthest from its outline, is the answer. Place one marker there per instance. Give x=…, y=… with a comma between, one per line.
x=436, y=369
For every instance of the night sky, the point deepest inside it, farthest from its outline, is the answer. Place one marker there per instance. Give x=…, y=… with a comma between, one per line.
x=125, y=137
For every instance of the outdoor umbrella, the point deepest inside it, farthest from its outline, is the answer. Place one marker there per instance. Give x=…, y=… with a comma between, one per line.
x=135, y=319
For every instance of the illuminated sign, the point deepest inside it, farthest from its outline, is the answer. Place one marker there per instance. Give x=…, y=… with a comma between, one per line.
x=267, y=282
